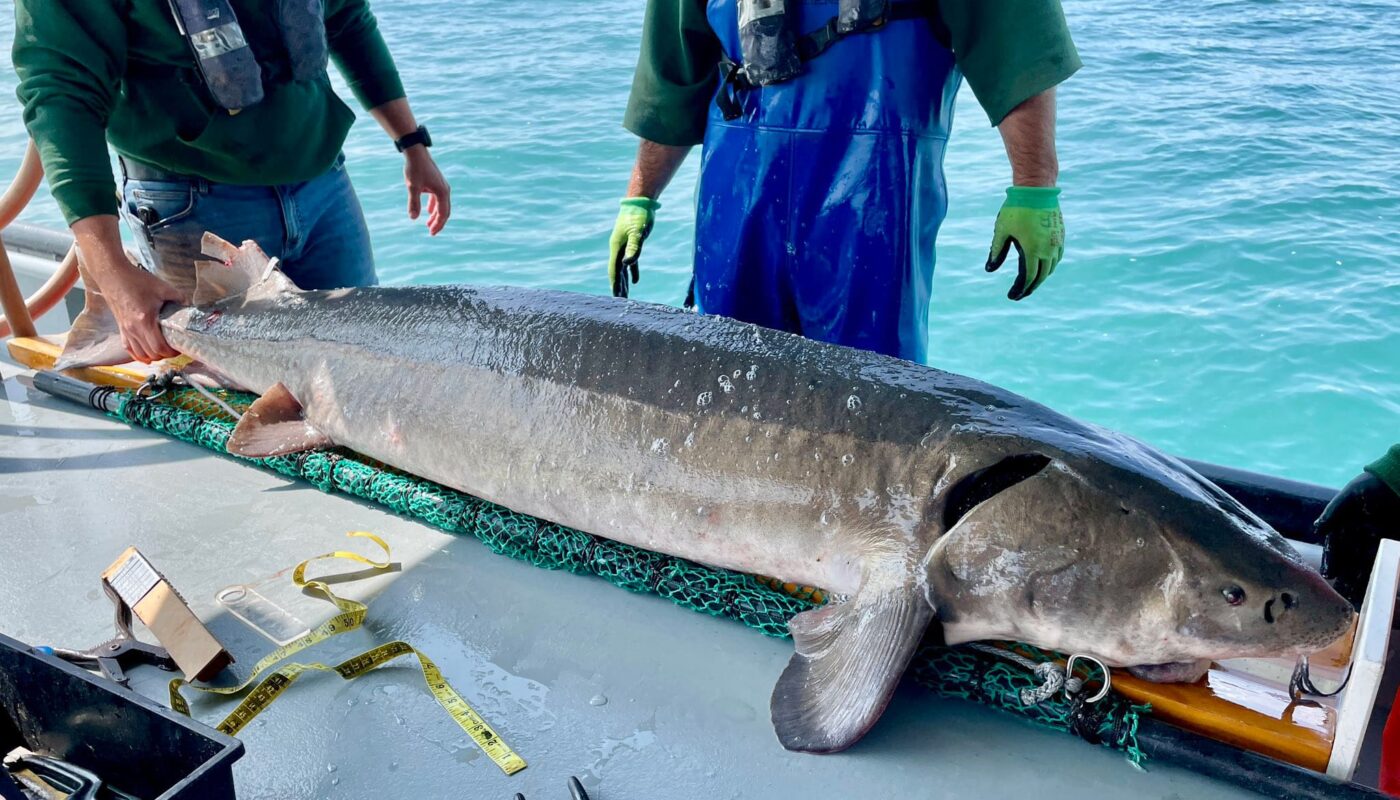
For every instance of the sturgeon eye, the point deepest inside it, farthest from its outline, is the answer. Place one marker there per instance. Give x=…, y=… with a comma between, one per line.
x=1234, y=595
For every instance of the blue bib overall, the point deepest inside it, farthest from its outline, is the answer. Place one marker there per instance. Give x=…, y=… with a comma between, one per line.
x=818, y=207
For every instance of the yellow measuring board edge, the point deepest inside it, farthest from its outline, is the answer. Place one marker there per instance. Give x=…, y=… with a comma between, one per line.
x=351, y=616
x=40, y=352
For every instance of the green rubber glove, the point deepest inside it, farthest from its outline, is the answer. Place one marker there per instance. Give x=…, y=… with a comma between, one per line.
x=633, y=225
x=1030, y=219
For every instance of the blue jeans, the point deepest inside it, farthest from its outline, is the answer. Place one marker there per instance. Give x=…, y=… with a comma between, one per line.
x=316, y=228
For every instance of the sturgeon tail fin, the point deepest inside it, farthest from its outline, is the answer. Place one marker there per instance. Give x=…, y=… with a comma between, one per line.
x=94, y=340
x=243, y=270
x=849, y=659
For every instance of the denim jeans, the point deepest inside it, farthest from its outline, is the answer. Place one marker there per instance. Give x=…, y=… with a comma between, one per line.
x=316, y=228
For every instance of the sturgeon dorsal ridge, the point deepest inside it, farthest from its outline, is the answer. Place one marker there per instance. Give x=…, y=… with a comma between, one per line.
x=849, y=659
x=273, y=426
x=244, y=271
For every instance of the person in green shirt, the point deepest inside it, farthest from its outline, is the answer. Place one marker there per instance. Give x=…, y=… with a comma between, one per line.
x=824, y=125
x=223, y=118
x=1365, y=511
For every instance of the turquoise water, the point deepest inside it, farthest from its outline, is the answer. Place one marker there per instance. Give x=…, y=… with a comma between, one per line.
x=1231, y=289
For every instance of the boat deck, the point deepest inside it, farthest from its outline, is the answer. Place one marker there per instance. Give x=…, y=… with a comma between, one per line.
x=636, y=697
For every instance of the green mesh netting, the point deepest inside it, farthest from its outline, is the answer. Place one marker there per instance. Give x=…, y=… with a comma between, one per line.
x=761, y=603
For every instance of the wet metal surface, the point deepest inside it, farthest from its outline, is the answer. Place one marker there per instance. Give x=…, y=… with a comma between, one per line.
x=638, y=698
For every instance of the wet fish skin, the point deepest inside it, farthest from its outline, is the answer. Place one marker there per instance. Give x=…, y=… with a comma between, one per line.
x=917, y=493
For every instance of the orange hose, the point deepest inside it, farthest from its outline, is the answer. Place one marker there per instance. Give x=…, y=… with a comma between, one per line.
x=12, y=202
x=23, y=187
x=52, y=292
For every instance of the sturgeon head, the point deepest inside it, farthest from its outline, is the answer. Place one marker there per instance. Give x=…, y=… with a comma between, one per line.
x=1114, y=550
x=1063, y=536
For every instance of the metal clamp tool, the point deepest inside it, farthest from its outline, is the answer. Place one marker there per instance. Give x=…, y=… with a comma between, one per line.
x=113, y=656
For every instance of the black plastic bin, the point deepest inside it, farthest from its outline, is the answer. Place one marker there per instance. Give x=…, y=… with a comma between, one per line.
x=139, y=747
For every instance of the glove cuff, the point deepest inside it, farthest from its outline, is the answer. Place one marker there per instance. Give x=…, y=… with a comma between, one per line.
x=641, y=202
x=1387, y=468
x=1033, y=196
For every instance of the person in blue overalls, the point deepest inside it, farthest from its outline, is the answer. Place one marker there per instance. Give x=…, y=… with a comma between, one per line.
x=824, y=124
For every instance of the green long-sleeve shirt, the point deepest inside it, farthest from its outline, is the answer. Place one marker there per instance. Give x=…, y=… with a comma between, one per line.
x=94, y=71
x=1008, y=50
x=1387, y=468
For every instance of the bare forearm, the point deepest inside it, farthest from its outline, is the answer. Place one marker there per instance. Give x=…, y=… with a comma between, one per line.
x=1029, y=135
x=395, y=117
x=100, y=242
x=420, y=173
x=656, y=166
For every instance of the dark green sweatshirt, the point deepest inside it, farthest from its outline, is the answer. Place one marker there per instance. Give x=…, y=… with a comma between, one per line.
x=1008, y=50
x=1387, y=468
x=94, y=71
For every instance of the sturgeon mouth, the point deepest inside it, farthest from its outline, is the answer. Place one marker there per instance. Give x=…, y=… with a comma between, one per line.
x=1172, y=672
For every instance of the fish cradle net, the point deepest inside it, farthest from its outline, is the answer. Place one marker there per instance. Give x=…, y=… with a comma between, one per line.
x=764, y=604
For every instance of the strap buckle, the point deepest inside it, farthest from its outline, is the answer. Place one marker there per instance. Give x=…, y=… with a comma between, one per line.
x=734, y=81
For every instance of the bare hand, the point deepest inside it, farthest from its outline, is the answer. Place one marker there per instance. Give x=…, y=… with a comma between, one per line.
x=136, y=297
x=423, y=177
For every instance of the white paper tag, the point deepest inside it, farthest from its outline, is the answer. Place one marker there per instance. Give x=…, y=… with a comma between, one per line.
x=134, y=579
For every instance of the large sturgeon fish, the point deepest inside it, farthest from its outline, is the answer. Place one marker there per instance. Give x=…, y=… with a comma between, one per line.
x=916, y=495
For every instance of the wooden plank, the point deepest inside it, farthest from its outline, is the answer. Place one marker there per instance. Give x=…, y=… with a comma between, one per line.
x=40, y=352
x=1245, y=703
x=1239, y=709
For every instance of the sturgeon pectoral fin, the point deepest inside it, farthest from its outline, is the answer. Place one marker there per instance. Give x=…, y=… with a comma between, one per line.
x=274, y=425
x=849, y=659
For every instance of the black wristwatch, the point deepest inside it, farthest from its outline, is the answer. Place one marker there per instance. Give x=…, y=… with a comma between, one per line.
x=419, y=136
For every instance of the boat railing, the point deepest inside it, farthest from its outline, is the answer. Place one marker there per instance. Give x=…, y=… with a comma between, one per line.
x=17, y=313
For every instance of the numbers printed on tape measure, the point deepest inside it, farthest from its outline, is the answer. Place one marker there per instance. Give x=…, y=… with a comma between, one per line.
x=351, y=617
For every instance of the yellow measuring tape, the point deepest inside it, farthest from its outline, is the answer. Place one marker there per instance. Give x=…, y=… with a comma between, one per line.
x=351, y=616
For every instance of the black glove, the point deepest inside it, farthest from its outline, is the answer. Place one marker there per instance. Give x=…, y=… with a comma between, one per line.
x=1351, y=528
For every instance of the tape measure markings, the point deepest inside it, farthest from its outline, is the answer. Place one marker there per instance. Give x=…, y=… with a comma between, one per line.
x=351, y=617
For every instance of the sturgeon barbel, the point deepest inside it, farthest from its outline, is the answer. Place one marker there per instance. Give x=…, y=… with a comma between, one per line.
x=915, y=495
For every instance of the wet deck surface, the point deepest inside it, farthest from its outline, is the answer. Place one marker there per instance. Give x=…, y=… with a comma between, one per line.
x=637, y=697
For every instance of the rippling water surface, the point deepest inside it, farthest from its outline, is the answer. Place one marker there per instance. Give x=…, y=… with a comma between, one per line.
x=1231, y=289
